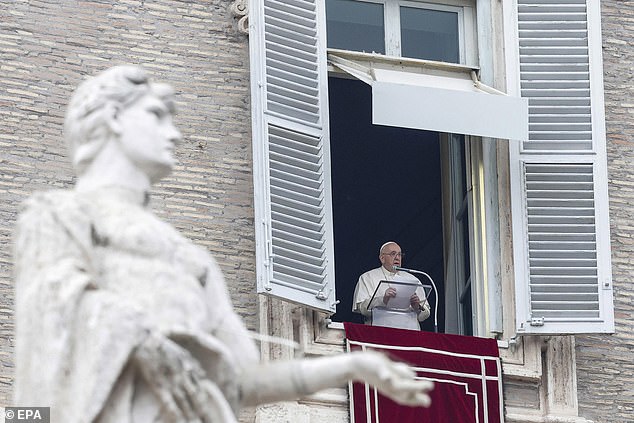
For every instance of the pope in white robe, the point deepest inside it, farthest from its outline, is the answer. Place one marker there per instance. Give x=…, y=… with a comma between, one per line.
x=376, y=300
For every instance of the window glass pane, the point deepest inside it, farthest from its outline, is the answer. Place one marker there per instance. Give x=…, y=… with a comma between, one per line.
x=354, y=25
x=429, y=34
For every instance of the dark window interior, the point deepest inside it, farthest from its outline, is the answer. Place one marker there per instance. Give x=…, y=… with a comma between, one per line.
x=386, y=186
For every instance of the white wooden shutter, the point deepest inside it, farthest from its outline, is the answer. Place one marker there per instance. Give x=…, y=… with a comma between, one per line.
x=559, y=176
x=294, y=241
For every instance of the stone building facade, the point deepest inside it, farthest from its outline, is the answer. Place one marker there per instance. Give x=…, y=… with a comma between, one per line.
x=604, y=363
x=47, y=47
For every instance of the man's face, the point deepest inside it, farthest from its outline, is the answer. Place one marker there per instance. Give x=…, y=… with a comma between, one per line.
x=148, y=136
x=391, y=256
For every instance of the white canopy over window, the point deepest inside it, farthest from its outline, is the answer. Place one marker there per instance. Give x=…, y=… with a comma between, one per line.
x=435, y=96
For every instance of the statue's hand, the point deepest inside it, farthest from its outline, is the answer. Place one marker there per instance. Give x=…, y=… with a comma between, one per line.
x=394, y=380
x=175, y=377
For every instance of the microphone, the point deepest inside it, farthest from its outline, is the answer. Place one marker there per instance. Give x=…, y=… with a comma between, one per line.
x=397, y=268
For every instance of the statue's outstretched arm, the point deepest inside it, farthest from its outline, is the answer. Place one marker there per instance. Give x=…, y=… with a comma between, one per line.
x=288, y=380
x=179, y=382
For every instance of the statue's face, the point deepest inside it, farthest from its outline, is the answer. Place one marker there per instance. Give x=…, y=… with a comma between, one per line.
x=148, y=136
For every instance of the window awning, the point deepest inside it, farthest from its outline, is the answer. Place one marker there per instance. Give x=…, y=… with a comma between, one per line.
x=434, y=96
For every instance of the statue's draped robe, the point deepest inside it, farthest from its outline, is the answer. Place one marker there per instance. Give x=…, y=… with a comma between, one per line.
x=95, y=274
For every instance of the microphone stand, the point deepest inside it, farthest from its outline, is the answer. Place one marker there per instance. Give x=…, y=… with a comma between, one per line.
x=435, y=291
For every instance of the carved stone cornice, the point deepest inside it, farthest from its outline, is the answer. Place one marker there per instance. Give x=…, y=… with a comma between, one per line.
x=240, y=10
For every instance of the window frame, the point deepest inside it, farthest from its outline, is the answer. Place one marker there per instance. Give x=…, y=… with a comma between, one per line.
x=477, y=219
x=467, y=27
x=458, y=211
x=489, y=58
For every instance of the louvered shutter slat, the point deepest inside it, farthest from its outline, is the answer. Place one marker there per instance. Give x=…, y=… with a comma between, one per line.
x=281, y=200
x=290, y=144
x=299, y=256
x=554, y=118
x=291, y=52
x=553, y=36
x=293, y=195
x=558, y=174
x=296, y=219
x=284, y=223
x=304, y=189
x=565, y=214
x=310, y=254
x=282, y=233
x=559, y=254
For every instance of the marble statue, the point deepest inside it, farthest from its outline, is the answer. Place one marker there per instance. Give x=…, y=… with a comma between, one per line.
x=119, y=318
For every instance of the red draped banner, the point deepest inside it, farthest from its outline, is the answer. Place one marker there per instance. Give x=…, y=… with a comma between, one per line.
x=466, y=372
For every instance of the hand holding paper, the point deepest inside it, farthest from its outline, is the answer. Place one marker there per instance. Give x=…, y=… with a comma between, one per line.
x=402, y=297
x=389, y=294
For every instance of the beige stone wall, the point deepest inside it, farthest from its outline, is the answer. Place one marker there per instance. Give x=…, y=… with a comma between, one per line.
x=48, y=46
x=605, y=364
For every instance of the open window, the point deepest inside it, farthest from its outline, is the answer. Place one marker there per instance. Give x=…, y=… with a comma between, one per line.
x=295, y=242
x=449, y=101
x=386, y=184
x=401, y=164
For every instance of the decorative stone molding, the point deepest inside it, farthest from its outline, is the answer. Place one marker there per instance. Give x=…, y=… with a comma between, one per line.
x=283, y=412
x=540, y=384
x=309, y=329
x=240, y=10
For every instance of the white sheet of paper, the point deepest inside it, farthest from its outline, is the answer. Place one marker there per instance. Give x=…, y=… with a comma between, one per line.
x=404, y=290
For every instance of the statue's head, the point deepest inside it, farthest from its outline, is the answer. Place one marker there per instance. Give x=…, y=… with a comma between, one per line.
x=122, y=104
